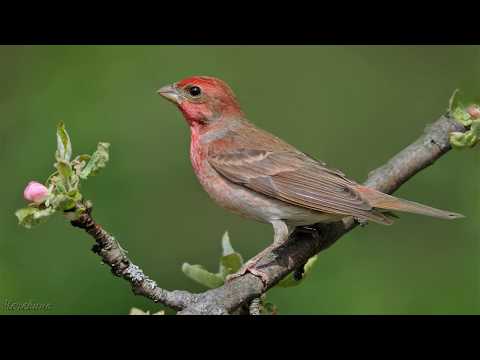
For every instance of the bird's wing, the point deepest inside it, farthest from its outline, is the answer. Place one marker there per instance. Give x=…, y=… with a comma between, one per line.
x=296, y=179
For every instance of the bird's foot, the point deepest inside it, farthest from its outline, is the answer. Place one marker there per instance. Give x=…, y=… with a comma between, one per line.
x=250, y=267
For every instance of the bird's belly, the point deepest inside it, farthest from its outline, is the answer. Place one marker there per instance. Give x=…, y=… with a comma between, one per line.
x=253, y=205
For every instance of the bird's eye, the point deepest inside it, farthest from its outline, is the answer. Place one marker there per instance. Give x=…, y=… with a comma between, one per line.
x=194, y=91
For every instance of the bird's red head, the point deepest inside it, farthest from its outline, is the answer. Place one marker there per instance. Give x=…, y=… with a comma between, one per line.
x=202, y=99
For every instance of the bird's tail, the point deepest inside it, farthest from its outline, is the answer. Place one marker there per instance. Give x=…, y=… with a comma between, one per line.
x=380, y=200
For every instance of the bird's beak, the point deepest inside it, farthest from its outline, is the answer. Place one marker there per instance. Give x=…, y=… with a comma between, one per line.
x=170, y=93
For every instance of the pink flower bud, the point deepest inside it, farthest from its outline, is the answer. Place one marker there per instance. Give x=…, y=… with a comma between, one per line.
x=35, y=192
x=474, y=111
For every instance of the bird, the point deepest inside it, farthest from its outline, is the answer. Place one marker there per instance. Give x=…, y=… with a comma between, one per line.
x=257, y=175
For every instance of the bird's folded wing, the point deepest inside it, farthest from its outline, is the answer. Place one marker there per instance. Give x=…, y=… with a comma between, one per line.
x=293, y=178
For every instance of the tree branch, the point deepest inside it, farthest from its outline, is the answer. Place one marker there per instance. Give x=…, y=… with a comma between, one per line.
x=242, y=290
x=113, y=255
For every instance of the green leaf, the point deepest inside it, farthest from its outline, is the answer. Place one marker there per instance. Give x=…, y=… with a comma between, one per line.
x=457, y=140
x=475, y=128
x=79, y=163
x=41, y=214
x=64, y=146
x=470, y=138
x=59, y=184
x=462, y=116
x=31, y=216
x=65, y=170
x=75, y=195
x=226, y=245
x=461, y=140
x=98, y=160
x=199, y=274
x=83, y=157
x=231, y=261
x=230, y=264
x=66, y=203
x=63, y=202
x=290, y=281
x=25, y=216
x=453, y=102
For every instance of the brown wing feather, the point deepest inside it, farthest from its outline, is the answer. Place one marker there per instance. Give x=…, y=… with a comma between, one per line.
x=296, y=179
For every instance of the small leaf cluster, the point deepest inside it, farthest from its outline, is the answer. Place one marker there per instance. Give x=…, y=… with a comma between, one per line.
x=64, y=183
x=230, y=263
x=468, y=116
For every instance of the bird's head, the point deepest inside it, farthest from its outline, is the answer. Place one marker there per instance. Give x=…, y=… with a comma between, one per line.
x=202, y=99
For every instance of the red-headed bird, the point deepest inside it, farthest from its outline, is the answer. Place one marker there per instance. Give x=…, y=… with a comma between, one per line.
x=259, y=176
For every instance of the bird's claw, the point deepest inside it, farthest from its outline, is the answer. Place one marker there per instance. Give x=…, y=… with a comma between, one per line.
x=252, y=270
x=260, y=274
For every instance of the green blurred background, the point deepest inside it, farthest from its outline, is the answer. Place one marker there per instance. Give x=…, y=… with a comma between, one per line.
x=351, y=106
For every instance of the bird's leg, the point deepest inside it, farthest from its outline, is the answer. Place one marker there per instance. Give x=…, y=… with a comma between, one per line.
x=281, y=236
